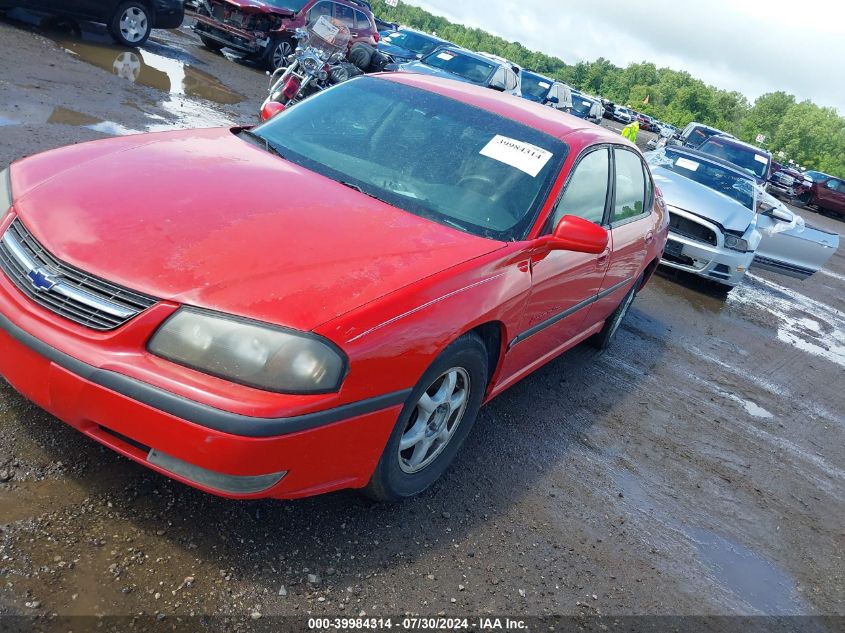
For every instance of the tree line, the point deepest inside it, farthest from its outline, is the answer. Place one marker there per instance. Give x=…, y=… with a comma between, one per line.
x=812, y=136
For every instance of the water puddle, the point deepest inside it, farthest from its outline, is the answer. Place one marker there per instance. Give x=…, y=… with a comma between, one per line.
x=28, y=499
x=36, y=114
x=753, y=578
x=751, y=408
x=801, y=322
x=151, y=69
x=762, y=585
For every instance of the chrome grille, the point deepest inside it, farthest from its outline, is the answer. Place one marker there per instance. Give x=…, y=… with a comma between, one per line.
x=691, y=229
x=63, y=289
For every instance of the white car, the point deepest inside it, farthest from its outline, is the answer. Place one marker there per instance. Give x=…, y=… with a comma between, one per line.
x=715, y=230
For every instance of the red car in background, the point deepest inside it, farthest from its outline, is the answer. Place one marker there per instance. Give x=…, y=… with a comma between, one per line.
x=263, y=30
x=324, y=301
x=827, y=193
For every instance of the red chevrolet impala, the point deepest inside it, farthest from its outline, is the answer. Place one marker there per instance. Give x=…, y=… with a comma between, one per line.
x=324, y=301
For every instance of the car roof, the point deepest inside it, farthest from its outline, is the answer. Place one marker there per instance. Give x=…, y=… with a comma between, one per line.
x=468, y=53
x=732, y=140
x=710, y=159
x=548, y=120
x=541, y=76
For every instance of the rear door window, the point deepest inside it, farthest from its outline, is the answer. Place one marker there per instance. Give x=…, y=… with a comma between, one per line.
x=318, y=10
x=346, y=15
x=630, y=186
x=362, y=22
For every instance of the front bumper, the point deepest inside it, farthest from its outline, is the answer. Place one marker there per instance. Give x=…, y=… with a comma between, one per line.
x=230, y=36
x=700, y=258
x=193, y=437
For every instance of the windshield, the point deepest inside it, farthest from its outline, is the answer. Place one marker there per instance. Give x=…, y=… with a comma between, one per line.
x=414, y=42
x=712, y=175
x=816, y=176
x=581, y=105
x=427, y=154
x=747, y=158
x=292, y=5
x=470, y=68
x=535, y=87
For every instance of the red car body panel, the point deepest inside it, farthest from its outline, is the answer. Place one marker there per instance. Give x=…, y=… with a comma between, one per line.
x=225, y=227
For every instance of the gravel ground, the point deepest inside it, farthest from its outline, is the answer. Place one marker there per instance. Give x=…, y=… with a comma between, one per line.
x=695, y=468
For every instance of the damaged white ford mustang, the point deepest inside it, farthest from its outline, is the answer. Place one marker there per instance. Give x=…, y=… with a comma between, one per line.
x=721, y=223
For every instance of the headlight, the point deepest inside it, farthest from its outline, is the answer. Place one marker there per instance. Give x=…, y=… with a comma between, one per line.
x=5, y=191
x=250, y=353
x=736, y=243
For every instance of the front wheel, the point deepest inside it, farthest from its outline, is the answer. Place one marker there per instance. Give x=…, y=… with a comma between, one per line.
x=604, y=338
x=131, y=24
x=434, y=422
x=277, y=52
x=212, y=45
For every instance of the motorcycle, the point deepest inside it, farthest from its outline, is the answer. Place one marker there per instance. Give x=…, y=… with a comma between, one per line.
x=316, y=64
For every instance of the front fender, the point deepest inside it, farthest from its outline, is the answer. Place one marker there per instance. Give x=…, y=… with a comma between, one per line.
x=392, y=341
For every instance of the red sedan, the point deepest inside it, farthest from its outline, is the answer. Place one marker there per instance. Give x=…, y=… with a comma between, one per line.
x=324, y=301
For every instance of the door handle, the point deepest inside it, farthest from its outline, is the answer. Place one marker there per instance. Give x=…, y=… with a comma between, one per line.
x=649, y=237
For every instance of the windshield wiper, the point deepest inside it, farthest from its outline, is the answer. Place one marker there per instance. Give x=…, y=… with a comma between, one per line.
x=355, y=187
x=265, y=143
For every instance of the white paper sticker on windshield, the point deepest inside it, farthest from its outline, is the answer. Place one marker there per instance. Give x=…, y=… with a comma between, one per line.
x=761, y=159
x=325, y=29
x=445, y=56
x=686, y=163
x=544, y=84
x=523, y=156
x=585, y=103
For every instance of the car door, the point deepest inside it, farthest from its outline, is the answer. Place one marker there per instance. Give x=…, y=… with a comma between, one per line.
x=829, y=195
x=563, y=283
x=632, y=229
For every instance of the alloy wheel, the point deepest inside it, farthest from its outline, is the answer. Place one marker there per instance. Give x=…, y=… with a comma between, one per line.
x=280, y=54
x=433, y=423
x=133, y=24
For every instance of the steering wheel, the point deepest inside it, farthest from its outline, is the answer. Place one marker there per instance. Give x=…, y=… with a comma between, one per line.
x=484, y=180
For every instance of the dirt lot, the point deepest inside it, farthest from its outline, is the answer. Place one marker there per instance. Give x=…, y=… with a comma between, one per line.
x=695, y=468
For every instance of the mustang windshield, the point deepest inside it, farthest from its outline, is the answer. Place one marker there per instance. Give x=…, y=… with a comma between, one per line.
x=422, y=152
x=727, y=181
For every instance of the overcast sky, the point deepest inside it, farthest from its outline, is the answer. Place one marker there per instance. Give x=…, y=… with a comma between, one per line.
x=752, y=46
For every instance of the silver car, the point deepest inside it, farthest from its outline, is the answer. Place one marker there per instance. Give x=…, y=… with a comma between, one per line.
x=715, y=230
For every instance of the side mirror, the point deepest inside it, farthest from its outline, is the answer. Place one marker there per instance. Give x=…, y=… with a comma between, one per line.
x=271, y=109
x=553, y=100
x=576, y=234
x=780, y=214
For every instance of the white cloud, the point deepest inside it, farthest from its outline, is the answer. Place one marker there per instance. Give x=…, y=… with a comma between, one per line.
x=751, y=46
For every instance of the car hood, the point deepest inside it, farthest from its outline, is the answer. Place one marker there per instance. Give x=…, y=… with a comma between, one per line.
x=691, y=196
x=205, y=218
x=397, y=52
x=257, y=6
x=425, y=69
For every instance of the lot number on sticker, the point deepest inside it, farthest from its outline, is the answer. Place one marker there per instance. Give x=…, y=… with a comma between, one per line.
x=522, y=156
x=761, y=159
x=543, y=84
x=325, y=29
x=686, y=163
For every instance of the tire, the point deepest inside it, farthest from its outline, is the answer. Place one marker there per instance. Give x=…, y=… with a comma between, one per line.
x=211, y=45
x=277, y=53
x=803, y=200
x=401, y=474
x=603, y=339
x=131, y=24
x=361, y=54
